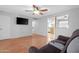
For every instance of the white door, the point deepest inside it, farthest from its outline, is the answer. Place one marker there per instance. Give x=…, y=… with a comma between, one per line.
x=4, y=27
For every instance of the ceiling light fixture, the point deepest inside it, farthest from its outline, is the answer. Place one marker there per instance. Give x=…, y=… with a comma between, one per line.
x=38, y=11
x=35, y=11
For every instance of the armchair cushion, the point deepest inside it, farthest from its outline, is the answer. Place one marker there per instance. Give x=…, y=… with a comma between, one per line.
x=57, y=45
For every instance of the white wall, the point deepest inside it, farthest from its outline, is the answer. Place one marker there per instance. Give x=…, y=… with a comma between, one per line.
x=20, y=30
x=4, y=27
x=14, y=30
x=41, y=26
x=11, y=29
x=73, y=22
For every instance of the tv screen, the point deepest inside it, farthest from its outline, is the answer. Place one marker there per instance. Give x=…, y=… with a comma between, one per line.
x=22, y=21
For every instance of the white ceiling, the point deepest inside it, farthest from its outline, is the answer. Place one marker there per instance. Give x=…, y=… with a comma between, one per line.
x=20, y=9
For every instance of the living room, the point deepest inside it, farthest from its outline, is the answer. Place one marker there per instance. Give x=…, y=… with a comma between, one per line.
x=15, y=37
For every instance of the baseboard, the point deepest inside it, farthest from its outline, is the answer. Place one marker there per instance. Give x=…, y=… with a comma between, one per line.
x=16, y=37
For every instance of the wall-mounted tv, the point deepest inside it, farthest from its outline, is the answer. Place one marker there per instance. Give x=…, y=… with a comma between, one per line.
x=21, y=21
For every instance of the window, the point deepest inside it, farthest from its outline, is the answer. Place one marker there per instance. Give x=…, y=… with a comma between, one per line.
x=63, y=24
x=63, y=21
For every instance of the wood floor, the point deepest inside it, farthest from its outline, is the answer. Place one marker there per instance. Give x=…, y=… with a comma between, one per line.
x=21, y=45
x=39, y=40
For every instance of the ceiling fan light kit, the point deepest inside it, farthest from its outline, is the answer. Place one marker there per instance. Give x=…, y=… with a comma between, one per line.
x=38, y=11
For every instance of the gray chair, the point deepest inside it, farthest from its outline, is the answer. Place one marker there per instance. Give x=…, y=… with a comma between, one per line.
x=74, y=35
x=52, y=49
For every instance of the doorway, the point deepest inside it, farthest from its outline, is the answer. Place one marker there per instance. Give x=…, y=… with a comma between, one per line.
x=51, y=28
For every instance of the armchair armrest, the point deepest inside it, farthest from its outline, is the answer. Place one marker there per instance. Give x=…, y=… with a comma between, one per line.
x=33, y=50
x=63, y=38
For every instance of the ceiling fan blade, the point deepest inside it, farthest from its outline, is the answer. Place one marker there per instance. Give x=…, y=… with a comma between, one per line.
x=43, y=10
x=41, y=13
x=35, y=7
x=28, y=10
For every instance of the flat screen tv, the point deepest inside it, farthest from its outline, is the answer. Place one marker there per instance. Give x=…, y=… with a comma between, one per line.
x=22, y=21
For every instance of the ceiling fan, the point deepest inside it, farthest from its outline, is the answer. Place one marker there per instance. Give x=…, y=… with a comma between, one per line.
x=36, y=10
